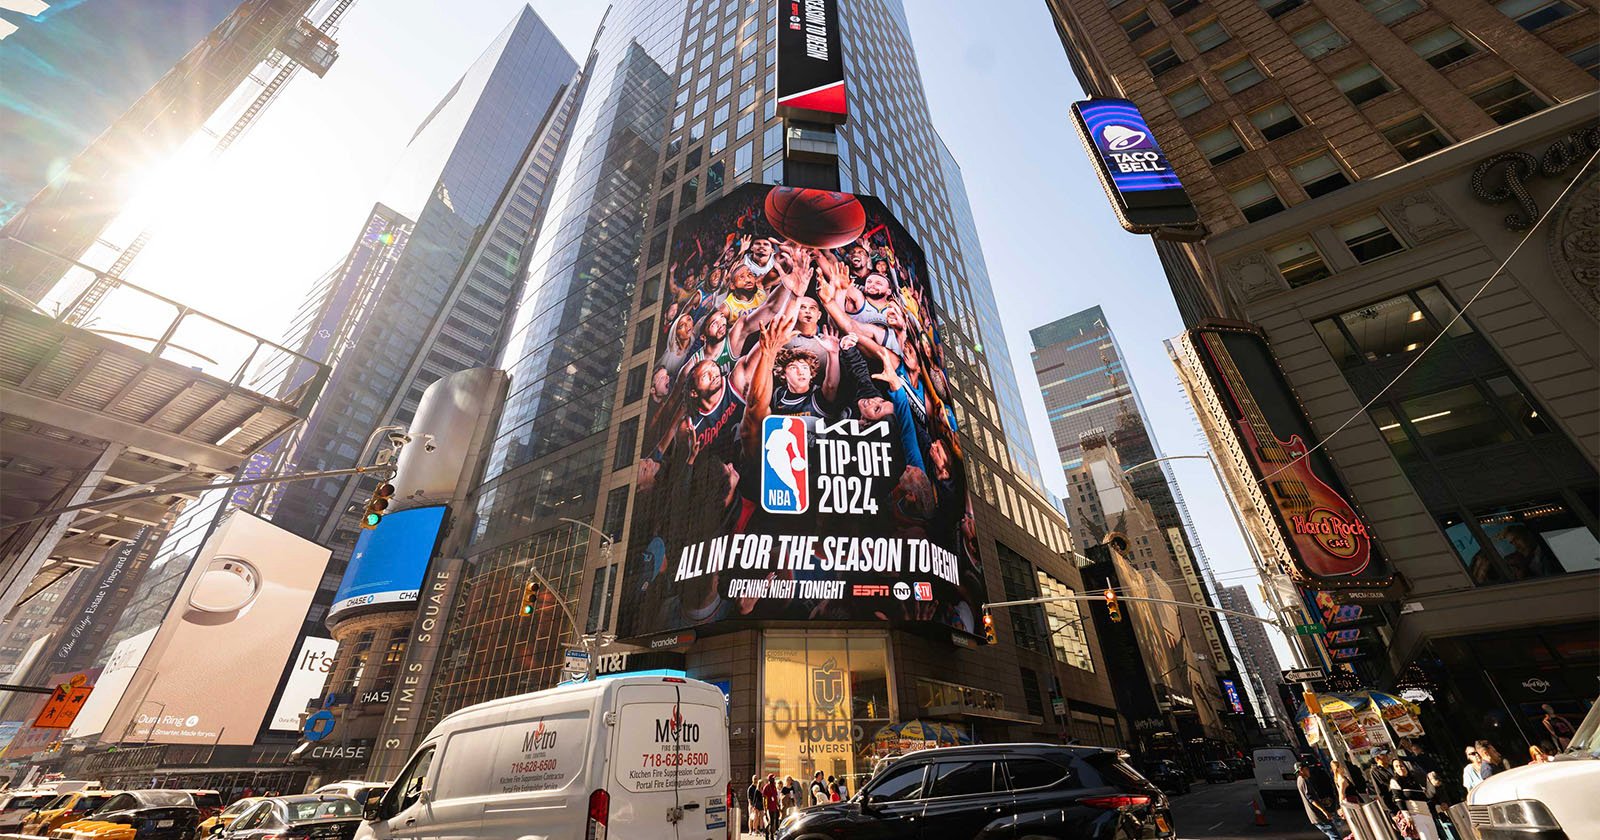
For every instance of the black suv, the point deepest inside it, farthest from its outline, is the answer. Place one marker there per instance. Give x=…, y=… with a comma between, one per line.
x=1168, y=776
x=996, y=791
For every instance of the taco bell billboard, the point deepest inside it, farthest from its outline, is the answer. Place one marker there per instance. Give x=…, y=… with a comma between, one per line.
x=1143, y=186
x=800, y=456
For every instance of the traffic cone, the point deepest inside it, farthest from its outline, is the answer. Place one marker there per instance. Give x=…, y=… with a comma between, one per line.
x=1261, y=817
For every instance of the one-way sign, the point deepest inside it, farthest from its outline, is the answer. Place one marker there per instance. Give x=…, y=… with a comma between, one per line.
x=1300, y=675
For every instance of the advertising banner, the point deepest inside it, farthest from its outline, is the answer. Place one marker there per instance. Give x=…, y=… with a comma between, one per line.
x=114, y=680
x=800, y=453
x=214, y=664
x=389, y=561
x=811, y=82
x=305, y=683
x=1327, y=539
x=1137, y=177
x=1231, y=688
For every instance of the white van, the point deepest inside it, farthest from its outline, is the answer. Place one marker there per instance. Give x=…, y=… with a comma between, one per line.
x=624, y=758
x=1275, y=776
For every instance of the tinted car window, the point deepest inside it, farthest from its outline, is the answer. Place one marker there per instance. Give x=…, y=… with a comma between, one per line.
x=960, y=778
x=252, y=818
x=165, y=798
x=207, y=799
x=29, y=802
x=312, y=810
x=898, y=784
x=1033, y=773
x=89, y=804
x=1107, y=770
x=122, y=802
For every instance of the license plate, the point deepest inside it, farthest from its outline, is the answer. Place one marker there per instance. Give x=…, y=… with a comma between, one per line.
x=164, y=823
x=1161, y=823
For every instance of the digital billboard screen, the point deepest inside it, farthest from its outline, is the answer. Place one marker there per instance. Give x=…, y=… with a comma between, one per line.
x=800, y=456
x=1143, y=187
x=389, y=561
x=811, y=83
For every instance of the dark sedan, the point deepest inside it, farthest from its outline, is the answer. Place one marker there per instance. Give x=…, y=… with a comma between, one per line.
x=309, y=817
x=1168, y=776
x=996, y=790
x=151, y=814
x=1218, y=772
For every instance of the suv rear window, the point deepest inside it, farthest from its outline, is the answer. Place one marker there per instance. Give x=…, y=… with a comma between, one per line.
x=206, y=799
x=1105, y=769
x=962, y=778
x=1033, y=773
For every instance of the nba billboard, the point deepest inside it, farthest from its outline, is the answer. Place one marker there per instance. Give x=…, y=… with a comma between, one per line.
x=800, y=458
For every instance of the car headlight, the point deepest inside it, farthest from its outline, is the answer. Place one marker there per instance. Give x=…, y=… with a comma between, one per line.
x=1522, y=813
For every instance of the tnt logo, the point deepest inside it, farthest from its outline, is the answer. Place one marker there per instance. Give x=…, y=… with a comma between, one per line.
x=924, y=591
x=785, y=473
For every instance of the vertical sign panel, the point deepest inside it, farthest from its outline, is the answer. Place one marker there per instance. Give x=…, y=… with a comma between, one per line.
x=1142, y=185
x=810, y=64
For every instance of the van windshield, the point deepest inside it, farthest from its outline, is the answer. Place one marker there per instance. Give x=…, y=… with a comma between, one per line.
x=1586, y=741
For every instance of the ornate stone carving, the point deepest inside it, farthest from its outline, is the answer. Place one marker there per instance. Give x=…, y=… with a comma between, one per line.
x=1421, y=217
x=1254, y=278
x=1573, y=242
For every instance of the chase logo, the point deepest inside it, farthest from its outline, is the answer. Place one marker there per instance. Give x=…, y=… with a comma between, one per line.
x=1121, y=138
x=785, y=473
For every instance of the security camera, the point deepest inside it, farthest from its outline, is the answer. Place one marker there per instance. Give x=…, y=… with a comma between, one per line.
x=398, y=438
x=427, y=443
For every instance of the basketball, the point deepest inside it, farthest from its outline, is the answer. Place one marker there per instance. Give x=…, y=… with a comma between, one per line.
x=816, y=218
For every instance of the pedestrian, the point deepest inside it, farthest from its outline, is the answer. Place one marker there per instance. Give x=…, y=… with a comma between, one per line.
x=752, y=798
x=790, y=793
x=769, y=793
x=1410, y=795
x=1322, y=813
x=833, y=789
x=1476, y=770
x=819, y=790
x=1380, y=774
x=1345, y=792
x=1537, y=756
x=1492, y=757
x=841, y=791
x=1560, y=728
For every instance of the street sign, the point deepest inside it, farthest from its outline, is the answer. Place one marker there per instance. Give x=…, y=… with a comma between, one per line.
x=1058, y=705
x=1309, y=629
x=319, y=725
x=1300, y=675
x=64, y=703
x=577, y=661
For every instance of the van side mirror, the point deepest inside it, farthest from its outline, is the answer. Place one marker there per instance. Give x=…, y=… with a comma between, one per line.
x=216, y=828
x=373, y=810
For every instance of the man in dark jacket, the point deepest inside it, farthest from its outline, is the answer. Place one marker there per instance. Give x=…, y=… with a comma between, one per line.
x=1321, y=812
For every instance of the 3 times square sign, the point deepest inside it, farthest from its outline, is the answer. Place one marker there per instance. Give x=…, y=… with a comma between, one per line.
x=800, y=453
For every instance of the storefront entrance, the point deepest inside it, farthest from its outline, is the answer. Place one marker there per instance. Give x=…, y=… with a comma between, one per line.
x=825, y=697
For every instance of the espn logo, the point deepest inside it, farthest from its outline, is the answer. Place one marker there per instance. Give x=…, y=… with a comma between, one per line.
x=785, y=472
x=869, y=590
x=924, y=591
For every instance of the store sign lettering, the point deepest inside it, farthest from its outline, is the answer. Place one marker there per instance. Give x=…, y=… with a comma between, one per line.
x=1338, y=535
x=1536, y=685
x=1504, y=177
x=827, y=687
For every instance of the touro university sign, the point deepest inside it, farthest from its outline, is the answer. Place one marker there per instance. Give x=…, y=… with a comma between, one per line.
x=801, y=459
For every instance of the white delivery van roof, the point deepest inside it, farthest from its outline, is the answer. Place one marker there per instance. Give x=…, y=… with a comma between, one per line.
x=603, y=689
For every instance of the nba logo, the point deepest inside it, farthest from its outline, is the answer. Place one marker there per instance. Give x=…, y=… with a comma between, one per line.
x=924, y=591
x=785, y=473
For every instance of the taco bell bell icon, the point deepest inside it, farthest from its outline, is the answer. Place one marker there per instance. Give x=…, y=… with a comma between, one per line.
x=785, y=472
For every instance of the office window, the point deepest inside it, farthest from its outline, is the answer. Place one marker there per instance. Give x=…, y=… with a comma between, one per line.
x=1275, y=120
x=1162, y=60
x=1318, y=39
x=1030, y=692
x=1508, y=101
x=1362, y=82
x=627, y=444
x=634, y=389
x=1178, y=7
x=1532, y=14
x=644, y=337
x=1369, y=238
x=1416, y=137
x=773, y=174
x=1278, y=8
x=747, y=123
x=1240, y=75
x=772, y=140
x=1017, y=581
x=1138, y=25
x=742, y=158
x=719, y=117
x=1256, y=200
x=1588, y=58
x=1208, y=37
x=1389, y=11
x=1319, y=175
x=1396, y=327
x=1300, y=263
x=1189, y=99
x=1443, y=47
x=1220, y=145
x=1455, y=420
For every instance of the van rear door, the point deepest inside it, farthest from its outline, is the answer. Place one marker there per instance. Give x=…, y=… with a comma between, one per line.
x=669, y=763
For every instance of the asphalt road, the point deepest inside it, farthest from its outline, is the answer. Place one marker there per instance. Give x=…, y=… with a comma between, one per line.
x=1222, y=812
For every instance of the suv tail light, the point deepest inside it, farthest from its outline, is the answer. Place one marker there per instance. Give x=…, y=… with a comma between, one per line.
x=599, y=814
x=1112, y=803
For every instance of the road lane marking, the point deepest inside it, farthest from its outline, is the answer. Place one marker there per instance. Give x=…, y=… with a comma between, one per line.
x=1214, y=828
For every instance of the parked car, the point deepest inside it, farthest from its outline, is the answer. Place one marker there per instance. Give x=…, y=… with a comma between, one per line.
x=355, y=789
x=1032, y=790
x=1551, y=801
x=1218, y=772
x=16, y=805
x=1241, y=768
x=626, y=758
x=65, y=808
x=308, y=817
x=1168, y=776
x=1275, y=776
x=208, y=801
x=211, y=825
x=145, y=814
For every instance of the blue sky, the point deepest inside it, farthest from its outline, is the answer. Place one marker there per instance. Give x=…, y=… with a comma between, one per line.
x=999, y=88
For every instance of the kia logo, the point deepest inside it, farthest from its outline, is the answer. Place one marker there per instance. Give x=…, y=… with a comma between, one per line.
x=1536, y=685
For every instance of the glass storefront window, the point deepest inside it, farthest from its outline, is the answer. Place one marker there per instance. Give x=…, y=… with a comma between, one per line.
x=826, y=701
x=1539, y=538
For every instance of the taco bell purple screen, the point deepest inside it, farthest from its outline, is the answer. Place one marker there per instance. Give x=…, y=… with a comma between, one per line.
x=1132, y=158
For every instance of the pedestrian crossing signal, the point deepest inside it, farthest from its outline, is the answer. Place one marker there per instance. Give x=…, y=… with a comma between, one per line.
x=1112, y=608
x=988, y=630
x=530, y=596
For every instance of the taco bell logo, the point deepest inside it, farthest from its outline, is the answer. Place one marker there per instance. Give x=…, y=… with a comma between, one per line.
x=785, y=472
x=1120, y=138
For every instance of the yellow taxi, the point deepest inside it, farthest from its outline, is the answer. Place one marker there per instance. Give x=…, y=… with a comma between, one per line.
x=64, y=809
x=215, y=825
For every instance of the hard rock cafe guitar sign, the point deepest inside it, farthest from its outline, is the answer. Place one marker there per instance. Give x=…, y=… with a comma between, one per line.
x=1326, y=536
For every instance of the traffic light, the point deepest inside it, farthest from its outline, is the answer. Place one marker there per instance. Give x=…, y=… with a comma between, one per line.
x=530, y=595
x=377, y=505
x=1112, y=608
x=988, y=630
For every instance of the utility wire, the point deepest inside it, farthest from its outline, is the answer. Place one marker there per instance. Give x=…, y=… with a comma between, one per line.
x=1442, y=333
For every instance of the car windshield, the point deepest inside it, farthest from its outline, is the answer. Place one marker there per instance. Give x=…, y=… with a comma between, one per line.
x=58, y=802
x=29, y=802
x=165, y=798
x=90, y=804
x=323, y=810
x=1586, y=741
x=237, y=808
